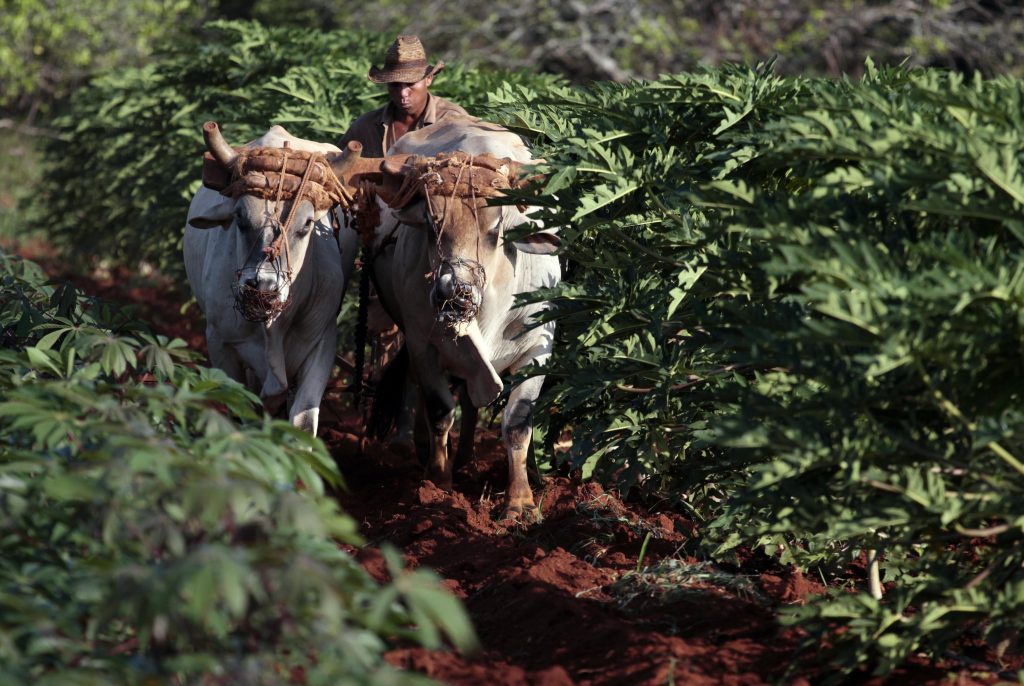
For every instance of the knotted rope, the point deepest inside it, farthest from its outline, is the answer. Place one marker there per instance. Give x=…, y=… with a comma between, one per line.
x=281, y=174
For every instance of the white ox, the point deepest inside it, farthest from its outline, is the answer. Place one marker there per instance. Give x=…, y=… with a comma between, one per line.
x=448, y=276
x=229, y=251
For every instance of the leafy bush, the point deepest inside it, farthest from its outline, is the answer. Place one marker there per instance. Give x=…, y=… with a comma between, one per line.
x=797, y=304
x=154, y=526
x=49, y=48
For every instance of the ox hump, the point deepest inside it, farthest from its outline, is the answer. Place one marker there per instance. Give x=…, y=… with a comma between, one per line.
x=468, y=134
x=277, y=135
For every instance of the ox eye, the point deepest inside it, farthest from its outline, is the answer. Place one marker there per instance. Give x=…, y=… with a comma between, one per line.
x=304, y=228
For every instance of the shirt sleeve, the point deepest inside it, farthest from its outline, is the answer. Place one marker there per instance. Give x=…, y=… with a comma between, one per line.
x=367, y=131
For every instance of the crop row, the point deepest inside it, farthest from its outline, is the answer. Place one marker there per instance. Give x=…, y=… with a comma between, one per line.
x=792, y=305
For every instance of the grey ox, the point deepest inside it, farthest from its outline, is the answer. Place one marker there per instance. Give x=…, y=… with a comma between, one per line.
x=267, y=269
x=448, y=276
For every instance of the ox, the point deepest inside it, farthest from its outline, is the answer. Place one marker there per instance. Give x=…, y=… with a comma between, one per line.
x=447, y=275
x=271, y=276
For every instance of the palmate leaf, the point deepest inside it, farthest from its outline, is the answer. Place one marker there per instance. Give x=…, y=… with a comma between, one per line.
x=43, y=359
x=434, y=611
x=116, y=355
x=47, y=428
x=159, y=354
x=218, y=578
x=604, y=195
x=1001, y=165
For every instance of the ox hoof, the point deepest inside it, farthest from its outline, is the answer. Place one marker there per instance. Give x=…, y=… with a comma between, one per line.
x=520, y=513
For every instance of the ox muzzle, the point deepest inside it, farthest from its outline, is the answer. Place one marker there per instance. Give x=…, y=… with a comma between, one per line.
x=263, y=292
x=458, y=291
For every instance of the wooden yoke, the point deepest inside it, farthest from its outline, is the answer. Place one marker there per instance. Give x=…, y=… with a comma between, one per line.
x=354, y=170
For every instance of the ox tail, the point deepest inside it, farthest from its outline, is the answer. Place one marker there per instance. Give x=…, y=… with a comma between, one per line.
x=389, y=400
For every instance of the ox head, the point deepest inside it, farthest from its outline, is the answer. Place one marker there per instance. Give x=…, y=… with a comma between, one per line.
x=448, y=196
x=273, y=200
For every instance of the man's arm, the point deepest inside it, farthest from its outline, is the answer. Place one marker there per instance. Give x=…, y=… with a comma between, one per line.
x=368, y=131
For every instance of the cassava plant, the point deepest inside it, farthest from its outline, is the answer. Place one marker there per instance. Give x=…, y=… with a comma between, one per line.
x=155, y=527
x=796, y=304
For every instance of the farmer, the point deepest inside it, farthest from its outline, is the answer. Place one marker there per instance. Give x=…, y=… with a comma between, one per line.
x=411, y=106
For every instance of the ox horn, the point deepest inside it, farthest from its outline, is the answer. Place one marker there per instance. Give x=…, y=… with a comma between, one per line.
x=397, y=165
x=351, y=167
x=219, y=148
x=344, y=163
x=507, y=166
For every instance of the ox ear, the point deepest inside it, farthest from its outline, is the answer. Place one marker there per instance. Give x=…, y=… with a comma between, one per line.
x=542, y=243
x=209, y=209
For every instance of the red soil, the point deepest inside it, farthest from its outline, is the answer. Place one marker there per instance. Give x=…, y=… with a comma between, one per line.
x=543, y=597
x=557, y=602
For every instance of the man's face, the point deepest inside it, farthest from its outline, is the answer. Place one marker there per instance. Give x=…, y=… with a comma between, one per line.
x=410, y=98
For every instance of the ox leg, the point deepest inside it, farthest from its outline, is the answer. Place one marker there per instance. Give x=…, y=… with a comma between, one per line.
x=439, y=409
x=516, y=431
x=275, y=385
x=467, y=429
x=313, y=377
x=225, y=358
x=406, y=420
x=421, y=434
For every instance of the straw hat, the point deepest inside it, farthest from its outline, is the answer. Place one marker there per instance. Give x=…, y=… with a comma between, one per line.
x=406, y=62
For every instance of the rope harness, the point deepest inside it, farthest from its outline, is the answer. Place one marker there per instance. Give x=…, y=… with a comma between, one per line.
x=280, y=174
x=468, y=179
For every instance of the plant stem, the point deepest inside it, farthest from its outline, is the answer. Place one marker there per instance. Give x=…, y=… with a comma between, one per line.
x=874, y=578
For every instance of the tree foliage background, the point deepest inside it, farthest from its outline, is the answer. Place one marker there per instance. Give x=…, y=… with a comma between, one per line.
x=48, y=48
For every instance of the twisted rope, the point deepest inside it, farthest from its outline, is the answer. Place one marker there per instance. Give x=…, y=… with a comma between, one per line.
x=271, y=173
